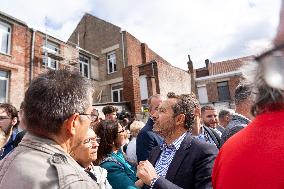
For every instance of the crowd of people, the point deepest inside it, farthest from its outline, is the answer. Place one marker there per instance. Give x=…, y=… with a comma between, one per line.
x=58, y=140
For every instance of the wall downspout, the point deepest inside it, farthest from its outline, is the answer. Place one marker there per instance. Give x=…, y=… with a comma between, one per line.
x=122, y=44
x=32, y=55
x=153, y=71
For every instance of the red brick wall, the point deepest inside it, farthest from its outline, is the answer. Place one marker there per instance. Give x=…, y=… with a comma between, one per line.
x=17, y=62
x=233, y=83
x=150, y=70
x=212, y=92
x=133, y=50
x=131, y=88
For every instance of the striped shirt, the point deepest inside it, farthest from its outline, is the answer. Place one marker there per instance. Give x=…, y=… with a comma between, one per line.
x=167, y=155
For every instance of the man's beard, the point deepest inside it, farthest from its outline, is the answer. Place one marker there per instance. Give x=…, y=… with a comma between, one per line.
x=164, y=132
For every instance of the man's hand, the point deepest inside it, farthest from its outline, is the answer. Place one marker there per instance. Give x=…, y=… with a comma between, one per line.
x=197, y=122
x=145, y=172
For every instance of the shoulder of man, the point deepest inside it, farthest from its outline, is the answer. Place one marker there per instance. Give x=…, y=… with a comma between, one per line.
x=39, y=168
x=214, y=136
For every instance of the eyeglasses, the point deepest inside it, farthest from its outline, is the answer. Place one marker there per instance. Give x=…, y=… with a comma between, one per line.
x=273, y=66
x=92, y=140
x=4, y=117
x=92, y=117
x=121, y=131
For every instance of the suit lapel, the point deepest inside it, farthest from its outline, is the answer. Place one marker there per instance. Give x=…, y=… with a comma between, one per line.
x=178, y=158
x=155, y=154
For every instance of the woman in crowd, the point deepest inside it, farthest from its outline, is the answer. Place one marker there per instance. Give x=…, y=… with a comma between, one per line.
x=85, y=154
x=135, y=127
x=120, y=173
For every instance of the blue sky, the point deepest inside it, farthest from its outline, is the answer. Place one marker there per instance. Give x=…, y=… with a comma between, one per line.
x=213, y=29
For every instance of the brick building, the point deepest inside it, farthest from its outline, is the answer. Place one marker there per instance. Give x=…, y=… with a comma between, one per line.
x=216, y=82
x=25, y=53
x=129, y=71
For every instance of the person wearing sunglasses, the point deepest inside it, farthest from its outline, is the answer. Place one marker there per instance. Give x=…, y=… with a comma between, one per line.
x=86, y=153
x=121, y=174
x=254, y=157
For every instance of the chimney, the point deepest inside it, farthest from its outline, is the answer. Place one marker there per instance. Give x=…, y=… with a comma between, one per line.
x=145, y=53
x=189, y=65
x=207, y=63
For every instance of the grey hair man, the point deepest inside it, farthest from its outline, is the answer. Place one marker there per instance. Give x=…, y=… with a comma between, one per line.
x=57, y=107
x=242, y=117
x=224, y=117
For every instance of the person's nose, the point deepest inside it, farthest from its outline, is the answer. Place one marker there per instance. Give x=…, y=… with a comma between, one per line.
x=155, y=115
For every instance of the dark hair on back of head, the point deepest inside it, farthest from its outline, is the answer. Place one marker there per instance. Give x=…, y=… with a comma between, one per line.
x=107, y=131
x=223, y=113
x=109, y=109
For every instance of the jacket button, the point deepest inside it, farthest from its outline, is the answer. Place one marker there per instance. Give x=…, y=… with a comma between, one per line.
x=59, y=158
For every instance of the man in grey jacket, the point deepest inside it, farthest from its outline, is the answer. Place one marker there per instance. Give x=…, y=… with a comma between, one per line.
x=241, y=118
x=57, y=109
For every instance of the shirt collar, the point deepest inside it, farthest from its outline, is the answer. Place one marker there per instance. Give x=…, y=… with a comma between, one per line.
x=175, y=145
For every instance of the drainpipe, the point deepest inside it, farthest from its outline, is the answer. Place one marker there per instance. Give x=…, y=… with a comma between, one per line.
x=122, y=44
x=32, y=55
x=153, y=71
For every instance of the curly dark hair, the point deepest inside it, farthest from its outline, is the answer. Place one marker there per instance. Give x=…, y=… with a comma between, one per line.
x=107, y=131
x=10, y=110
x=109, y=109
x=186, y=103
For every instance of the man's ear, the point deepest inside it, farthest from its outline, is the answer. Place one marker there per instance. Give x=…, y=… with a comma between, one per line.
x=180, y=119
x=71, y=123
x=14, y=121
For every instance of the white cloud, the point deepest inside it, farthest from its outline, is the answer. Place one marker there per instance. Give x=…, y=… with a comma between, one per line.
x=218, y=30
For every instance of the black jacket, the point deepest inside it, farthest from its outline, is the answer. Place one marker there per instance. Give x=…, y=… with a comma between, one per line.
x=191, y=166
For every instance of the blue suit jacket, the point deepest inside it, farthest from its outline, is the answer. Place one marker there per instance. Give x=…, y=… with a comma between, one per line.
x=146, y=141
x=191, y=166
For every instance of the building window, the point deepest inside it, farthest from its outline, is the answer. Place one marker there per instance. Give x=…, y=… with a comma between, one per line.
x=117, y=93
x=223, y=91
x=111, y=62
x=5, y=38
x=143, y=87
x=202, y=94
x=4, y=84
x=84, y=65
x=51, y=51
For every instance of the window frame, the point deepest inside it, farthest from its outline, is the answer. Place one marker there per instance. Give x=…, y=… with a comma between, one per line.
x=7, y=84
x=9, y=38
x=114, y=64
x=119, y=91
x=199, y=94
x=228, y=90
x=46, y=49
x=82, y=63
